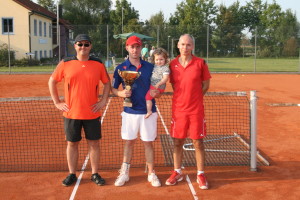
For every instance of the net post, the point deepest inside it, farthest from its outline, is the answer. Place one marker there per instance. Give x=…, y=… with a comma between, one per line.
x=253, y=147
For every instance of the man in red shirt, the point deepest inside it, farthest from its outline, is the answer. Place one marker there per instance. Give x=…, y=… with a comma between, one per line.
x=190, y=80
x=82, y=75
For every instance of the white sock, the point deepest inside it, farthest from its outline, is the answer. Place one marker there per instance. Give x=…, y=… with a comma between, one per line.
x=178, y=171
x=126, y=165
x=200, y=172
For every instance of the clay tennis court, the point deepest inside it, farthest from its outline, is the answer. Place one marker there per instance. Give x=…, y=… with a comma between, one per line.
x=278, y=139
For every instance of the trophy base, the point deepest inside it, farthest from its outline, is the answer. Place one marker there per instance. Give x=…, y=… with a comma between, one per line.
x=127, y=104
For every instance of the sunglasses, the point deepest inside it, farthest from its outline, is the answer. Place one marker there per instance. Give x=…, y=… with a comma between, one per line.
x=86, y=44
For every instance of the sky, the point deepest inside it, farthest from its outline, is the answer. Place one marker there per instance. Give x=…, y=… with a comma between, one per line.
x=147, y=8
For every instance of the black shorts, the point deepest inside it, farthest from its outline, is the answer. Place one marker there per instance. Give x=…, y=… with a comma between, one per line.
x=91, y=127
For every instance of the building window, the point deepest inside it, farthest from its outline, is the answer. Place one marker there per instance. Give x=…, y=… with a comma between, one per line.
x=35, y=27
x=50, y=30
x=45, y=29
x=45, y=54
x=41, y=54
x=7, y=25
x=40, y=28
x=50, y=54
x=35, y=55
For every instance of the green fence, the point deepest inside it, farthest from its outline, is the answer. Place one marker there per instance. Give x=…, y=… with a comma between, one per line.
x=225, y=51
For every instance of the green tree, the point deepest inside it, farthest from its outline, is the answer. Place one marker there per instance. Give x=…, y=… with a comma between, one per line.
x=86, y=12
x=193, y=17
x=156, y=28
x=286, y=33
x=275, y=29
x=48, y=4
x=290, y=47
x=91, y=17
x=227, y=37
x=250, y=13
x=130, y=21
x=126, y=15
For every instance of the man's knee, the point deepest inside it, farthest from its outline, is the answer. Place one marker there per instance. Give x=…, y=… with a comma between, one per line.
x=73, y=144
x=178, y=143
x=198, y=144
x=93, y=143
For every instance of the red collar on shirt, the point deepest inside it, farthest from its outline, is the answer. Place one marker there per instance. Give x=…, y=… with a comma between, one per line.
x=138, y=67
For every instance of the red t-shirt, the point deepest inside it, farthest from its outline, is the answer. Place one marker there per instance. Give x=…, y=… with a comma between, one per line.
x=81, y=85
x=187, y=82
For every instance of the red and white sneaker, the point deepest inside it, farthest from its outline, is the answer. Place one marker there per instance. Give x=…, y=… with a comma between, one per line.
x=201, y=180
x=174, y=178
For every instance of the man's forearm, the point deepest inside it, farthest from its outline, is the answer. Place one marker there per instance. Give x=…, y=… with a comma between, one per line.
x=106, y=91
x=205, y=86
x=53, y=91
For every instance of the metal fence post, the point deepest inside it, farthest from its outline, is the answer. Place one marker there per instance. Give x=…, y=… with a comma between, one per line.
x=253, y=147
x=172, y=47
x=299, y=59
x=207, y=43
x=157, y=36
x=107, y=45
x=8, y=48
x=58, y=30
x=255, y=48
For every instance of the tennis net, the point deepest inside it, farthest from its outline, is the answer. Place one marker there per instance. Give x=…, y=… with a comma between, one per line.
x=32, y=135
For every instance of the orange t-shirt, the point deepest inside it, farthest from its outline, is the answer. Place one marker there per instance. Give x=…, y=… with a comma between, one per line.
x=81, y=85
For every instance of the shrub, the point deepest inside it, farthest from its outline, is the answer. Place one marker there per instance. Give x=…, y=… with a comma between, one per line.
x=4, y=55
x=26, y=62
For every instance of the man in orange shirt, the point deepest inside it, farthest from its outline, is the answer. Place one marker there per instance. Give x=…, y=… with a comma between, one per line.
x=81, y=107
x=190, y=80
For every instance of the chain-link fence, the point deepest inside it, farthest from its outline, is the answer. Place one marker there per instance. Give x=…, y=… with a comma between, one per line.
x=225, y=49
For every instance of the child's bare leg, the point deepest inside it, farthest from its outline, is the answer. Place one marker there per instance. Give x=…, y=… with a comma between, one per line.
x=149, y=108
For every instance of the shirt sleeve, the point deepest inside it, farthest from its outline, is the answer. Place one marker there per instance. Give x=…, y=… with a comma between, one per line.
x=116, y=79
x=166, y=70
x=58, y=73
x=104, y=75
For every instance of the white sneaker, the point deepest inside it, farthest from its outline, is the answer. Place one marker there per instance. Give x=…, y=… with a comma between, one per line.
x=152, y=178
x=122, y=179
x=124, y=175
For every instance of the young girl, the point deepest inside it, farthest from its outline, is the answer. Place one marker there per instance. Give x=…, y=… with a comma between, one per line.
x=160, y=75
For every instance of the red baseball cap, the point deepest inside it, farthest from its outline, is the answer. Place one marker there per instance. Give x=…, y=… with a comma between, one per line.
x=134, y=40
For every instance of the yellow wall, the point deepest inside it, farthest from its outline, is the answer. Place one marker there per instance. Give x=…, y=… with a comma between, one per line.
x=20, y=39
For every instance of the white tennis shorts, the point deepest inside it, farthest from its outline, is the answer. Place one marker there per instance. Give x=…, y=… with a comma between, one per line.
x=132, y=124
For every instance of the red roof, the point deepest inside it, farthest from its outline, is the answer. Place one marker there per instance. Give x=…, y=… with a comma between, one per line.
x=36, y=8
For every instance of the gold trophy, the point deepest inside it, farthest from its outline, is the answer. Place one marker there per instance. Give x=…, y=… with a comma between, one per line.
x=128, y=77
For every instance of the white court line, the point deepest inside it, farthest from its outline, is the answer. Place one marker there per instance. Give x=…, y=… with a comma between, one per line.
x=86, y=159
x=284, y=104
x=191, y=187
x=79, y=178
x=162, y=121
x=106, y=108
x=260, y=157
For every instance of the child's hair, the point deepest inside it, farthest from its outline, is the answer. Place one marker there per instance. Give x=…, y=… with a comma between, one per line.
x=160, y=51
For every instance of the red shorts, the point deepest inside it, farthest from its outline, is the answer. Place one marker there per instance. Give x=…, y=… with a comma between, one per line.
x=148, y=96
x=185, y=125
